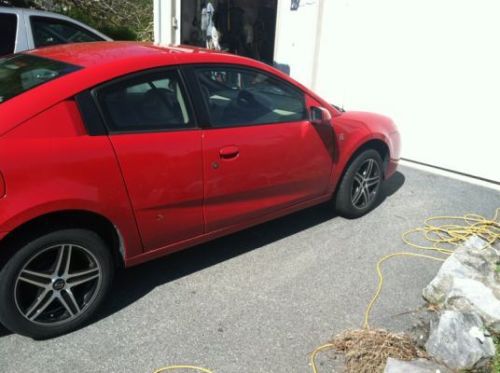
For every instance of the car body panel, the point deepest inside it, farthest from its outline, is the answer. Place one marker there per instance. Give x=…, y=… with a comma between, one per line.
x=21, y=42
x=154, y=254
x=164, y=177
x=150, y=185
x=354, y=129
x=61, y=170
x=276, y=166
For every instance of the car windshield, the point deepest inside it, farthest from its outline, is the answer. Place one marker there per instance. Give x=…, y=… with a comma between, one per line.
x=22, y=72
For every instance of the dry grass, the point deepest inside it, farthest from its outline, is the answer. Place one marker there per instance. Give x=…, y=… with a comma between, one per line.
x=367, y=350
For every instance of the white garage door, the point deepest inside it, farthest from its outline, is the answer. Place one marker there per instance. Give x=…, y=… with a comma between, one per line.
x=432, y=65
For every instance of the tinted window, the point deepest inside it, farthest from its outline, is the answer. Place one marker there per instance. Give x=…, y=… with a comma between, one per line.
x=22, y=72
x=244, y=97
x=50, y=31
x=154, y=101
x=8, y=26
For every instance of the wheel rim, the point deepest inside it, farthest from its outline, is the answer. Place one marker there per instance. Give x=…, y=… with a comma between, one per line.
x=366, y=183
x=57, y=284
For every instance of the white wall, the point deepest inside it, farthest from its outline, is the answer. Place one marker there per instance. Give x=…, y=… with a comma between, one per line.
x=432, y=65
x=296, y=37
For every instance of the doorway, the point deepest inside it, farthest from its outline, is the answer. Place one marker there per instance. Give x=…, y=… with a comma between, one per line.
x=243, y=27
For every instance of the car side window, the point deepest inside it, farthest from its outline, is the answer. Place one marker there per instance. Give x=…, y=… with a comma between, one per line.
x=238, y=97
x=51, y=31
x=8, y=27
x=154, y=101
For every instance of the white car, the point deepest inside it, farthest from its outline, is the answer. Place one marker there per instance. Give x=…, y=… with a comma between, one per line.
x=22, y=29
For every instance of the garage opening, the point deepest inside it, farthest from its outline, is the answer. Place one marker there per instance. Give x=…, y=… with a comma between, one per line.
x=243, y=27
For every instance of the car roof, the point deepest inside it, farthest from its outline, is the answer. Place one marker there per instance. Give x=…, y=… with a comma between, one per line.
x=100, y=53
x=104, y=61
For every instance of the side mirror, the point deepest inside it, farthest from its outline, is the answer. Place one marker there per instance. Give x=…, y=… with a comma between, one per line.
x=319, y=115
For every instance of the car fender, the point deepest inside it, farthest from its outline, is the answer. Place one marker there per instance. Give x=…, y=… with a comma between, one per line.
x=59, y=168
x=347, y=153
x=124, y=226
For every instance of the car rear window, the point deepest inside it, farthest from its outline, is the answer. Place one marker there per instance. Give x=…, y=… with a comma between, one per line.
x=22, y=72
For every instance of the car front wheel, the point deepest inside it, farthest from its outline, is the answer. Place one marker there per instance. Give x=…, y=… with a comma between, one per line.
x=359, y=189
x=53, y=284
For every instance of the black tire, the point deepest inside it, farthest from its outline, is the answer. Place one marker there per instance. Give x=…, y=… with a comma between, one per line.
x=80, y=269
x=346, y=201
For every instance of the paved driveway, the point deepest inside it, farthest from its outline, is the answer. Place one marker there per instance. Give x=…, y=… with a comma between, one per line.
x=262, y=299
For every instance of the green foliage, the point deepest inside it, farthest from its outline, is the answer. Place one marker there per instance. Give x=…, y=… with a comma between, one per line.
x=496, y=361
x=119, y=19
x=17, y=3
x=116, y=32
x=119, y=33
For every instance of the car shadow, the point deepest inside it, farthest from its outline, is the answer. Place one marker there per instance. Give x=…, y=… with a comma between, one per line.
x=134, y=283
x=3, y=331
x=390, y=187
x=393, y=184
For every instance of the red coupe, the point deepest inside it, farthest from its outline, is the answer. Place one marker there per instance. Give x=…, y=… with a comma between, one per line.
x=115, y=153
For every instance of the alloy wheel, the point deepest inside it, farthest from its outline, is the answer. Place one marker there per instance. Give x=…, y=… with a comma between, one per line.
x=57, y=284
x=365, y=184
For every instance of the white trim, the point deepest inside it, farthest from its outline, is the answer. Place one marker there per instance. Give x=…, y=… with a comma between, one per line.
x=156, y=21
x=317, y=42
x=277, y=28
x=164, y=15
x=176, y=37
x=451, y=175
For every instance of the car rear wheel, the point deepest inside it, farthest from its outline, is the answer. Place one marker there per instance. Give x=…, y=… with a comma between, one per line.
x=54, y=284
x=359, y=189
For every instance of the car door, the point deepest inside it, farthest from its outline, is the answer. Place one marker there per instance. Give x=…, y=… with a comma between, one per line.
x=260, y=151
x=158, y=146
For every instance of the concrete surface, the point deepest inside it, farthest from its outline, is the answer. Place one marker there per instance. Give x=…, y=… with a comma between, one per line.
x=263, y=299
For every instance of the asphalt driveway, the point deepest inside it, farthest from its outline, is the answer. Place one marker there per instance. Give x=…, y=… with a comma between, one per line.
x=262, y=299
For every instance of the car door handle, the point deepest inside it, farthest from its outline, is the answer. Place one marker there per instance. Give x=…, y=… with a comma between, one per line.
x=229, y=152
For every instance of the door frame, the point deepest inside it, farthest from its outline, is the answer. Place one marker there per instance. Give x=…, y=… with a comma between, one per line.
x=167, y=17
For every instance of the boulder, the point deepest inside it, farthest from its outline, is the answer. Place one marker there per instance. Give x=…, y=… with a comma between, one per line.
x=421, y=326
x=469, y=281
x=414, y=366
x=459, y=341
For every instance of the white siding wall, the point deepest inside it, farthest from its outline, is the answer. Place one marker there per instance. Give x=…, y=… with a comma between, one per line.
x=296, y=37
x=432, y=65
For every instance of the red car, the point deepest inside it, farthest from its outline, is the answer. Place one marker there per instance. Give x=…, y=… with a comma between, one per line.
x=115, y=153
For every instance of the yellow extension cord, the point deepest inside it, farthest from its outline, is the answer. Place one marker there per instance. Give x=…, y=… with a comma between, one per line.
x=448, y=234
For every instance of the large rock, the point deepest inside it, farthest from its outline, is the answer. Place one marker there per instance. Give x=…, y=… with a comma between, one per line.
x=458, y=340
x=414, y=366
x=469, y=281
